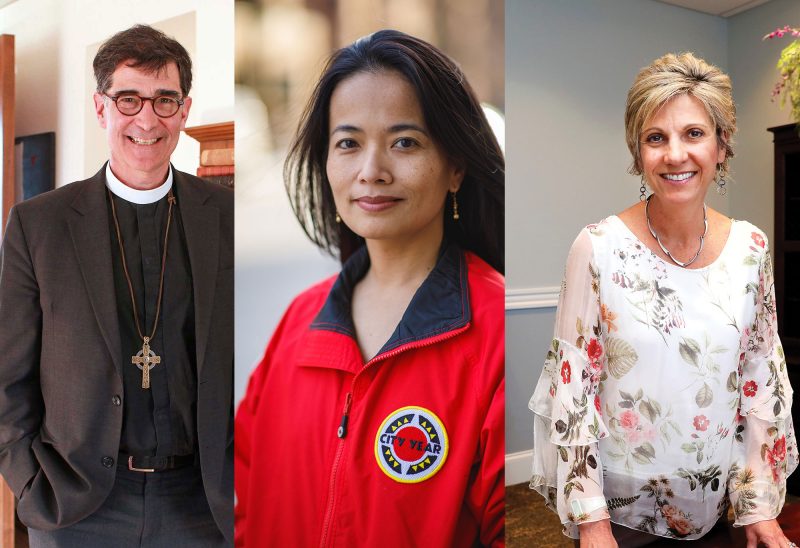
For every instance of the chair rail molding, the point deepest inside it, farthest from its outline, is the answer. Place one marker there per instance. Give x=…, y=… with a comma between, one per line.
x=530, y=298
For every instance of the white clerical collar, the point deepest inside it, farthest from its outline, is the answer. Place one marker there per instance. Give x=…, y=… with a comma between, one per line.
x=125, y=192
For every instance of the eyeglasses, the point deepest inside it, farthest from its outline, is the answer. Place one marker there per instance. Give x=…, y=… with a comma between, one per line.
x=164, y=106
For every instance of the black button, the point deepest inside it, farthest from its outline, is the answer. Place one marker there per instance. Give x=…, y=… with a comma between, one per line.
x=108, y=462
x=116, y=400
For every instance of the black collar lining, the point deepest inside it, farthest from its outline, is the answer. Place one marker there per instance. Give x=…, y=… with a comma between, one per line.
x=441, y=303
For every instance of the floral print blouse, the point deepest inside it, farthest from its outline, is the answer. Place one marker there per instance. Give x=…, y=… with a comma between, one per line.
x=664, y=393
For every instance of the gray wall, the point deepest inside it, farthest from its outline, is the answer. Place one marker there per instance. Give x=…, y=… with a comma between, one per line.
x=528, y=334
x=752, y=69
x=565, y=143
x=568, y=69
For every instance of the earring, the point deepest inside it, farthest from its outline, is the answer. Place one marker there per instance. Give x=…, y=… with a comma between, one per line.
x=642, y=191
x=455, y=207
x=338, y=218
x=721, y=190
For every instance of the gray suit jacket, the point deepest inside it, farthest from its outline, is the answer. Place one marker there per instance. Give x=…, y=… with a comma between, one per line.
x=60, y=362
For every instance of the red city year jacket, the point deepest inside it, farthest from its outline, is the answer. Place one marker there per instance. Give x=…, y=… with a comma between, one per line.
x=405, y=450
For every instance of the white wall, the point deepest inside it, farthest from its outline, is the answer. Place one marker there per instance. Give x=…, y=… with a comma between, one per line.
x=36, y=30
x=52, y=40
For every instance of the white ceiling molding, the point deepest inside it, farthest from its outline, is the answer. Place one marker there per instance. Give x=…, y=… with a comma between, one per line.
x=722, y=8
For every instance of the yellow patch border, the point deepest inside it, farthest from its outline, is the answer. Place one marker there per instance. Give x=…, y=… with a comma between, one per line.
x=446, y=444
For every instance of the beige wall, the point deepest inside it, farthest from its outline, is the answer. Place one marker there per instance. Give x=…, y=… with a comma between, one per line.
x=54, y=42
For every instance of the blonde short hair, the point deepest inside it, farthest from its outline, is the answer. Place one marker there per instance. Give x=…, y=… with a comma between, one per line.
x=673, y=75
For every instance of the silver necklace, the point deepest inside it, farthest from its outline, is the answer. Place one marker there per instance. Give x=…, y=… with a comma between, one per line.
x=664, y=249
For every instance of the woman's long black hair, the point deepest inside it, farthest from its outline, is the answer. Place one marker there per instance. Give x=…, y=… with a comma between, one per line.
x=452, y=115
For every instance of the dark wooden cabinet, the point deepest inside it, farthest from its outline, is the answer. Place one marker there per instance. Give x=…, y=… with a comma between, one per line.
x=786, y=251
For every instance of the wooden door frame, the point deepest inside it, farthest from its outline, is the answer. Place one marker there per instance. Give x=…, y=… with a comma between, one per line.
x=7, y=123
x=9, y=198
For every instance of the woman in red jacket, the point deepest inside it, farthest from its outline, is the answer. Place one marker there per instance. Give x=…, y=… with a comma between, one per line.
x=376, y=414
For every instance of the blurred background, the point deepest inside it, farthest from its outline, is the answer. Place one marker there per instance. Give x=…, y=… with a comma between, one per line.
x=281, y=48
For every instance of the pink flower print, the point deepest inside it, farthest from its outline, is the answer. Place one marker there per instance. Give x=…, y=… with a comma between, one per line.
x=750, y=388
x=566, y=372
x=649, y=433
x=701, y=423
x=629, y=419
x=758, y=239
x=597, y=403
x=633, y=437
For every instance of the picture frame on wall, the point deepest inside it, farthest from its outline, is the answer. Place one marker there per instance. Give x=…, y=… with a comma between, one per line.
x=36, y=164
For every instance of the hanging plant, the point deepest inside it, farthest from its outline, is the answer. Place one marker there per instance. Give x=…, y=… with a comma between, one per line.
x=789, y=67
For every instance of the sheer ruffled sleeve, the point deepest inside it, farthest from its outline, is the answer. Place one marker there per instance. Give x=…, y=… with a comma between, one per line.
x=567, y=423
x=765, y=446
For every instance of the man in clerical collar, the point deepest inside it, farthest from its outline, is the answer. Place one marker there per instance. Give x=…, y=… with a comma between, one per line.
x=116, y=346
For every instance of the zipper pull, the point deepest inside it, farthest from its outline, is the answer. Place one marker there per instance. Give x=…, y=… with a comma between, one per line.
x=342, y=431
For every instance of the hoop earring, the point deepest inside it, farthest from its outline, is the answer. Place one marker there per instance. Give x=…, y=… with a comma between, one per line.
x=338, y=218
x=642, y=191
x=455, y=207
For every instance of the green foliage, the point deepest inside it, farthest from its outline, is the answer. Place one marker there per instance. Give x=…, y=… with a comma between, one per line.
x=789, y=67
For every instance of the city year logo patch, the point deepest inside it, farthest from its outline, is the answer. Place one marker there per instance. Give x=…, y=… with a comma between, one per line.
x=411, y=445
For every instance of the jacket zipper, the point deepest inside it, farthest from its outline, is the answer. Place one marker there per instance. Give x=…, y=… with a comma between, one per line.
x=331, y=494
x=341, y=432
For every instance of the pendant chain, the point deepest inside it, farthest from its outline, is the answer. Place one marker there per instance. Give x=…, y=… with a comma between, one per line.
x=664, y=249
x=148, y=359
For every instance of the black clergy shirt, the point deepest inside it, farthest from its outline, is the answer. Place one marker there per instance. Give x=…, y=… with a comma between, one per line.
x=159, y=420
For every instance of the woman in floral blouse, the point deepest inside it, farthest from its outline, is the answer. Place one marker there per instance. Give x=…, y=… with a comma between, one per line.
x=664, y=396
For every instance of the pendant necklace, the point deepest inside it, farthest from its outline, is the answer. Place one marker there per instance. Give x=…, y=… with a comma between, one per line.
x=145, y=359
x=664, y=249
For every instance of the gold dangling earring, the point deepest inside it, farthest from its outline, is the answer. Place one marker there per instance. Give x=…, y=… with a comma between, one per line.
x=338, y=218
x=642, y=191
x=455, y=207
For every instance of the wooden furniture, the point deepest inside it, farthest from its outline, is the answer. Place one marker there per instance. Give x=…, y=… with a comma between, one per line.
x=786, y=251
x=216, y=151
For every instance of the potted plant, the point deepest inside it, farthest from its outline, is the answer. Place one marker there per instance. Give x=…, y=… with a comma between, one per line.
x=789, y=66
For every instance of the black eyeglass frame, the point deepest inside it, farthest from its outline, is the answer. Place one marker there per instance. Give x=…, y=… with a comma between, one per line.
x=141, y=104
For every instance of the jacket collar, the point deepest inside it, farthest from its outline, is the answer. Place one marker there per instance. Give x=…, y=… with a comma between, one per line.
x=91, y=239
x=440, y=305
x=201, y=226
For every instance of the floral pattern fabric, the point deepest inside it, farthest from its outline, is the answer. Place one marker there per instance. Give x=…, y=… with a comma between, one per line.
x=665, y=389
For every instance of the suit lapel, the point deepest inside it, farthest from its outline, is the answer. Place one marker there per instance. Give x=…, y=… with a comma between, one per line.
x=201, y=227
x=91, y=240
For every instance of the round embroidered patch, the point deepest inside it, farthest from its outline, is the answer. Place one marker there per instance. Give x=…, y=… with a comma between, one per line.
x=411, y=445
